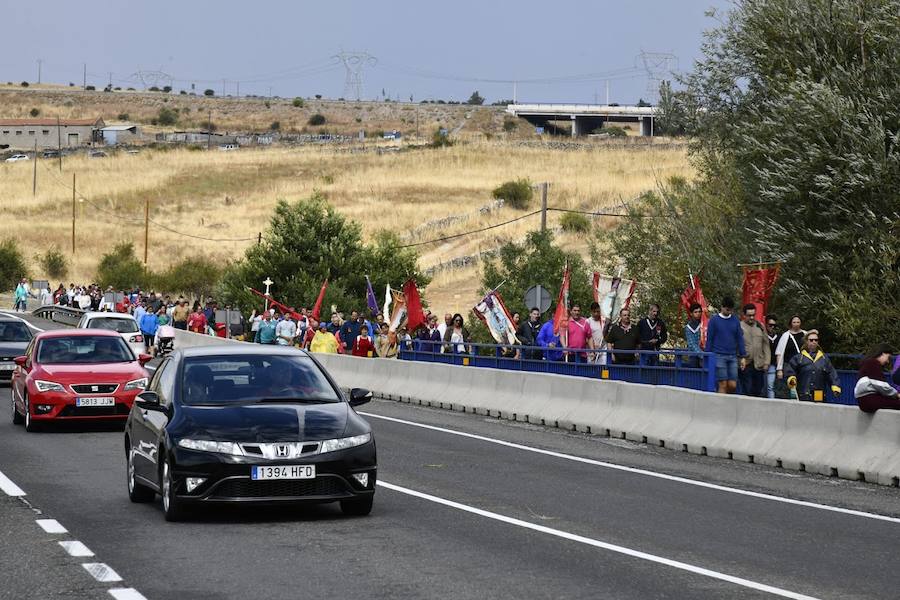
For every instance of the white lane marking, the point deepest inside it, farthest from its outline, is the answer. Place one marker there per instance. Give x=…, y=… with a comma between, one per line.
x=602, y=545
x=13, y=315
x=675, y=478
x=9, y=487
x=76, y=548
x=126, y=594
x=51, y=526
x=101, y=572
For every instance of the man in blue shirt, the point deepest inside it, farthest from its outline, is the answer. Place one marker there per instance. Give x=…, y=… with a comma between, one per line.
x=350, y=331
x=725, y=339
x=266, y=332
x=547, y=339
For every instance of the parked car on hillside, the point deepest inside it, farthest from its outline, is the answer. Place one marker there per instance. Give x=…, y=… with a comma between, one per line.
x=17, y=157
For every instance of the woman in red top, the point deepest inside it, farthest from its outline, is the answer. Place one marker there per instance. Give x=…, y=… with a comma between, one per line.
x=363, y=345
x=197, y=321
x=876, y=392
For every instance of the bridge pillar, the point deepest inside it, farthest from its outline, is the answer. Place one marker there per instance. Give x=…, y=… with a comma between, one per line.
x=576, y=130
x=647, y=126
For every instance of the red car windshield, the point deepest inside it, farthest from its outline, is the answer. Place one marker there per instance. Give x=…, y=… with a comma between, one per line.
x=83, y=350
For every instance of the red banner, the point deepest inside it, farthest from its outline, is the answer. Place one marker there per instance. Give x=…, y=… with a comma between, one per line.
x=561, y=316
x=758, y=285
x=318, y=306
x=415, y=316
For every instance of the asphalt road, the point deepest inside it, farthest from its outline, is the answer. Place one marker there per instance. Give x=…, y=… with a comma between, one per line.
x=463, y=517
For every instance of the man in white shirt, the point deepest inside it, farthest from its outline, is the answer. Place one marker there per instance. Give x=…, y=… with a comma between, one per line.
x=597, y=323
x=285, y=331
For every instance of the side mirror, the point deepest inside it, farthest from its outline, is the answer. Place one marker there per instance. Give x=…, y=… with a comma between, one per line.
x=359, y=396
x=148, y=400
x=21, y=360
x=144, y=359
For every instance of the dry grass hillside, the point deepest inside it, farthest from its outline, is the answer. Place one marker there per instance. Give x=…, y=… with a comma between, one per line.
x=422, y=194
x=249, y=114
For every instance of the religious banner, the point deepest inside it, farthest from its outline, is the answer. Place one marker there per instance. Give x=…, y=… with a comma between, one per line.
x=759, y=281
x=612, y=294
x=494, y=314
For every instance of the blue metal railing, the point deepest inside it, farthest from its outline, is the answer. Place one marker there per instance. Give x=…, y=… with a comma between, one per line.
x=679, y=368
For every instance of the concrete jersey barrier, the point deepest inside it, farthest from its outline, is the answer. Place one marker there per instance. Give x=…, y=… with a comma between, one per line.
x=828, y=439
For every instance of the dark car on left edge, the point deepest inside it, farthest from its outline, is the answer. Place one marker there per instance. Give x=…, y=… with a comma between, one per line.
x=15, y=336
x=248, y=424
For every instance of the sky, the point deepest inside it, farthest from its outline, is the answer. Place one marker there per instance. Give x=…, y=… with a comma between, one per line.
x=559, y=51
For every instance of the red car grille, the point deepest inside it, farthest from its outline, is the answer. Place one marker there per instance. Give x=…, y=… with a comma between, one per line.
x=95, y=388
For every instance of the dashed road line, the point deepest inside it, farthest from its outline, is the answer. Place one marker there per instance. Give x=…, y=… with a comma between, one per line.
x=51, y=526
x=8, y=487
x=740, y=581
x=126, y=594
x=645, y=472
x=101, y=572
x=76, y=548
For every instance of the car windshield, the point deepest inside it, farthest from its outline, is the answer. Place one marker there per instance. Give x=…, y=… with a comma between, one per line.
x=255, y=378
x=14, y=332
x=83, y=350
x=119, y=325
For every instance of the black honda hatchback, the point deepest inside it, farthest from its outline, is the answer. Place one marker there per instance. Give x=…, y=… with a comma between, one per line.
x=248, y=424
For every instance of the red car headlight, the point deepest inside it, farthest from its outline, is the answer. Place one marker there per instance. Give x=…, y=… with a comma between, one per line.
x=48, y=386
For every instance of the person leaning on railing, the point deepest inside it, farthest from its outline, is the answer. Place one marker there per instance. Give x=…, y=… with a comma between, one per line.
x=810, y=371
x=872, y=391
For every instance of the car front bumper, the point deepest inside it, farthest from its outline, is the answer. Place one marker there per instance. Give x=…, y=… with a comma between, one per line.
x=52, y=406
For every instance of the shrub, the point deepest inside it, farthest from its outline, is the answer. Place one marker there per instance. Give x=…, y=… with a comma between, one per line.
x=275, y=126
x=34, y=112
x=12, y=265
x=441, y=139
x=53, y=263
x=192, y=276
x=153, y=88
x=209, y=92
x=122, y=116
x=121, y=268
x=167, y=88
x=516, y=193
x=510, y=125
x=318, y=96
x=575, y=223
x=90, y=88
x=24, y=84
x=298, y=102
x=317, y=119
x=611, y=131
x=167, y=116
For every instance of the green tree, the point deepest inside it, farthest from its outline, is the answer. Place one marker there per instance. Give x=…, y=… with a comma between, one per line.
x=120, y=268
x=517, y=193
x=317, y=119
x=209, y=92
x=308, y=241
x=797, y=114
x=12, y=265
x=193, y=276
x=475, y=99
x=298, y=102
x=53, y=263
x=672, y=111
x=167, y=116
x=536, y=261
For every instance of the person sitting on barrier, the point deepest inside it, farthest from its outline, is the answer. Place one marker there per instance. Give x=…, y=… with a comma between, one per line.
x=622, y=339
x=810, y=371
x=872, y=391
x=725, y=339
x=692, y=334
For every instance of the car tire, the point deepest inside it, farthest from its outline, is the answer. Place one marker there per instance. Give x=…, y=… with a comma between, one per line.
x=30, y=425
x=173, y=508
x=17, y=419
x=137, y=492
x=357, y=507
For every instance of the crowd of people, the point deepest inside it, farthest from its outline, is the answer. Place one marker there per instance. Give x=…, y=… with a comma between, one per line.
x=752, y=357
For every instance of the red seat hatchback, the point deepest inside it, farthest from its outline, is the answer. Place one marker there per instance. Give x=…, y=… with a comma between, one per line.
x=76, y=374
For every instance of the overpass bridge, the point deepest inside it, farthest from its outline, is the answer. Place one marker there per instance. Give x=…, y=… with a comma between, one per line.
x=585, y=118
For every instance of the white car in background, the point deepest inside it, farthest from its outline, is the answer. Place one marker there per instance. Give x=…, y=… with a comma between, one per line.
x=122, y=323
x=17, y=158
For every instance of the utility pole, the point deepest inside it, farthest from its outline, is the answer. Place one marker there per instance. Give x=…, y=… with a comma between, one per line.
x=73, y=214
x=146, y=228
x=84, y=78
x=208, y=130
x=544, y=188
x=34, y=175
x=515, y=92
x=270, y=92
x=39, y=69
x=110, y=80
x=59, y=142
x=607, y=92
x=238, y=93
x=223, y=87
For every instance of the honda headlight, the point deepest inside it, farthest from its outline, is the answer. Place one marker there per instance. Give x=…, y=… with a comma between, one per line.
x=48, y=386
x=211, y=446
x=344, y=443
x=136, y=384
